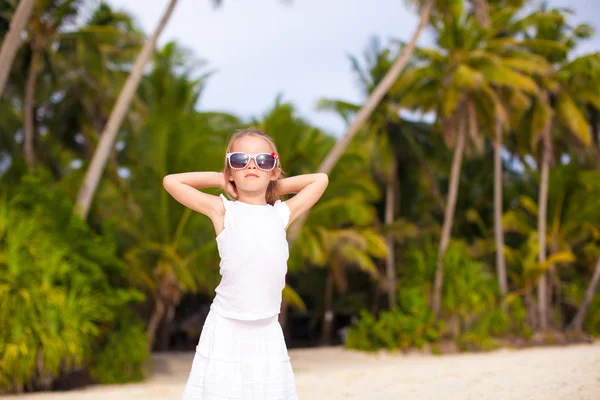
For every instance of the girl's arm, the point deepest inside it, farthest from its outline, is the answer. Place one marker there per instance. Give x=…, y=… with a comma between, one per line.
x=183, y=187
x=309, y=189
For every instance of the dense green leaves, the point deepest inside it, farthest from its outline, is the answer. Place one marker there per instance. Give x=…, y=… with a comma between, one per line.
x=61, y=291
x=79, y=295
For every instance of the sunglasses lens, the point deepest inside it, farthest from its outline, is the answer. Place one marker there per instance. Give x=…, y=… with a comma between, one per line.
x=265, y=161
x=238, y=160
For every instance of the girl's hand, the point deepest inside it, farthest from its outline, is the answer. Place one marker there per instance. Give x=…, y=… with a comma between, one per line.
x=310, y=188
x=229, y=187
x=184, y=188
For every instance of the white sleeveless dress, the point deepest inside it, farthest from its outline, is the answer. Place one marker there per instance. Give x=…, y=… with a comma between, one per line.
x=242, y=353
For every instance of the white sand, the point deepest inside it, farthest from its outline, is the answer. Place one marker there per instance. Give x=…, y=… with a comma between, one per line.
x=543, y=373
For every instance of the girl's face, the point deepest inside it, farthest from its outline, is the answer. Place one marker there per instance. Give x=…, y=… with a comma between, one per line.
x=251, y=178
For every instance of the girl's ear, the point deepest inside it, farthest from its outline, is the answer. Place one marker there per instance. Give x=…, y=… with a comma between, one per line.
x=275, y=174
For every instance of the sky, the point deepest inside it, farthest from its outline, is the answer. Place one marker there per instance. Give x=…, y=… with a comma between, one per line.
x=259, y=49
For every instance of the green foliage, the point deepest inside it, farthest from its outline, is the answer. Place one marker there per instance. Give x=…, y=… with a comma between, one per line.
x=66, y=286
x=124, y=346
x=412, y=324
x=472, y=314
x=592, y=322
x=470, y=289
x=574, y=293
x=60, y=288
x=494, y=323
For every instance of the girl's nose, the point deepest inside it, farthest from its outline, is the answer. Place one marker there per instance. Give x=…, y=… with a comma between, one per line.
x=252, y=164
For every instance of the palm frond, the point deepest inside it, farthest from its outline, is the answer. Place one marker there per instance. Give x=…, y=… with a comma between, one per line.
x=572, y=117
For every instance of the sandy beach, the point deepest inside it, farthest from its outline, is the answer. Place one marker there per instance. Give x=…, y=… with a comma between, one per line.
x=542, y=373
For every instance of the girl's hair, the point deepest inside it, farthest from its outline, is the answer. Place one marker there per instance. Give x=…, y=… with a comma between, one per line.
x=270, y=196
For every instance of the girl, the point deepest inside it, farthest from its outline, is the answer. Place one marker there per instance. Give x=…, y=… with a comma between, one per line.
x=242, y=352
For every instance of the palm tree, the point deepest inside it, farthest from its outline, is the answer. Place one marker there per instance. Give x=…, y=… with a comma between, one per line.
x=398, y=155
x=572, y=232
x=481, y=11
x=577, y=323
x=164, y=252
x=89, y=67
x=49, y=17
x=107, y=140
x=589, y=65
x=457, y=83
x=556, y=109
x=378, y=136
x=11, y=41
x=426, y=7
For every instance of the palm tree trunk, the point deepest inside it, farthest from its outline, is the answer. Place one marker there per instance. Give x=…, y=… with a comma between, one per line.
x=448, y=215
x=157, y=315
x=367, y=109
x=28, y=106
x=482, y=13
x=531, y=312
x=165, y=332
x=390, y=264
x=595, y=124
x=553, y=288
x=375, y=299
x=498, y=230
x=328, y=307
x=11, y=41
x=543, y=210
x=577, y=323
x=94, y=172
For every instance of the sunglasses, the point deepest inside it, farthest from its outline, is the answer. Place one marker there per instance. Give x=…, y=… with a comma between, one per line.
x=264, y=161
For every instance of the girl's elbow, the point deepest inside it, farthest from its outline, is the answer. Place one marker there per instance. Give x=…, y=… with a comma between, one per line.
x=167, y=181
x=324, y=177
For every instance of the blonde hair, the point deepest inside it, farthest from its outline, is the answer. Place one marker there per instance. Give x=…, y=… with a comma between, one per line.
x=270, y=196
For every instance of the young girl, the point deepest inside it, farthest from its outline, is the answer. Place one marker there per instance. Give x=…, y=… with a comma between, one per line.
x=242, y=352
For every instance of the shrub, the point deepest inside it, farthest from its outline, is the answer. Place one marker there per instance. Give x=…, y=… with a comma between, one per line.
x=411, y=324
x=59, y=290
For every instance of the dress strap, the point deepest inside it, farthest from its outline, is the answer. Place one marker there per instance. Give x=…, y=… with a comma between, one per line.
x=225, y=201
x=283, y=212
x=227, y=205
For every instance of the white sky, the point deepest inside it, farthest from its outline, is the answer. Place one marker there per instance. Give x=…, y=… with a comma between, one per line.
x=297, y=48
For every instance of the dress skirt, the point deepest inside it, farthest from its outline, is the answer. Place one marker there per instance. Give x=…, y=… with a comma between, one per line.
x=241, y=360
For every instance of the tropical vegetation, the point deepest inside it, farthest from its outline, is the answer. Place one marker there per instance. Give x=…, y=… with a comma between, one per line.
x=475, y=224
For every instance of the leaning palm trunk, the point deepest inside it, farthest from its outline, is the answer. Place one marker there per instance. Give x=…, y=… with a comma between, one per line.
x=482, y=13
x=363, y=114
x=328, y=307
x=28, y=106
x=107, y=140
x=11, y=41
x=166, y=298
x=577, y=323
x=367, y=109
x=498, y=231
x=390, y=264
x=157, y=316
x=448, y=216
x=543, y=210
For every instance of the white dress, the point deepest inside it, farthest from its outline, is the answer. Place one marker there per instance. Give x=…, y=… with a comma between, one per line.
x=242, y=353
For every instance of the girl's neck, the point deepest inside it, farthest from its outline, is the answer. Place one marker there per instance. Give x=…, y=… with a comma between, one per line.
x=252, y=199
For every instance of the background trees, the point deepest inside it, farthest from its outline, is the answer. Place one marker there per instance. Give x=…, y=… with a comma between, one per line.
x=416, y=213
